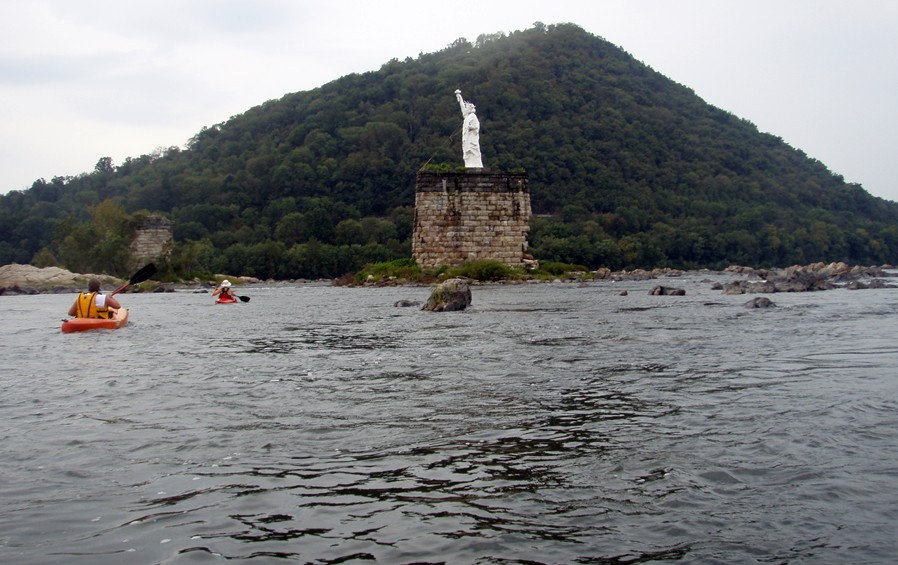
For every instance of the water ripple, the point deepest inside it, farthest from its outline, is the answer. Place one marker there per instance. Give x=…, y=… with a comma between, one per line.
x=546, y=424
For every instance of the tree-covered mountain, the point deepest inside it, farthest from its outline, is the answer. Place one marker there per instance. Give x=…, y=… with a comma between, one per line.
x=626, y=169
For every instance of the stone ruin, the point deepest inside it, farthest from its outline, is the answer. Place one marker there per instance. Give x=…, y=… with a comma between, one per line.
x=152, y=239
x=471, y=215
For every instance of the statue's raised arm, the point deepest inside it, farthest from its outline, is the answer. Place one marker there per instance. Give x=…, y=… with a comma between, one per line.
x=470, y=133
x=461, y=101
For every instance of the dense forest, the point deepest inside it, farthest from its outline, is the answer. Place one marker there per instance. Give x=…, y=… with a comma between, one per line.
x=626, y=169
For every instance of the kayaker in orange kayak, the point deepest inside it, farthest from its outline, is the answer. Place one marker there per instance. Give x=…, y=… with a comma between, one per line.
x=224, y=292
x=92, y=304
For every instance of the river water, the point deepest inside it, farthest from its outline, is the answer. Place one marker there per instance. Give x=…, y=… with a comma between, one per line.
x=548, y=423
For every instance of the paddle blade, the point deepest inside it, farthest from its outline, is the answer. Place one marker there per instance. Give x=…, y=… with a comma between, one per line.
x=143, y=274
x=243, y=298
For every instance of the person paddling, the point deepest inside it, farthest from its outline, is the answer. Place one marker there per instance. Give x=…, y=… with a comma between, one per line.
x=225, y=292
x=92, y=304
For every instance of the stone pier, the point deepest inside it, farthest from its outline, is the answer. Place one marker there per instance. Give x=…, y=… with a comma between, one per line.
x=152, y=239
x=470, y=215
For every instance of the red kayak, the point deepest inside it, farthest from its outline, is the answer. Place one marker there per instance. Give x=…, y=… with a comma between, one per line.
x=225, y=299
x=120, y=320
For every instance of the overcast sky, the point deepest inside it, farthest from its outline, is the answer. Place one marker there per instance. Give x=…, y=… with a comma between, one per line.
x=85, y=79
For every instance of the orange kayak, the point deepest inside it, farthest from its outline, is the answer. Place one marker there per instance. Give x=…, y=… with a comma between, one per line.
x=226, y=300
x=83, y=324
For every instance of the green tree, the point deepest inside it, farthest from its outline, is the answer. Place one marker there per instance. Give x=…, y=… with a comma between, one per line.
x=349, y=232
x=101, y=245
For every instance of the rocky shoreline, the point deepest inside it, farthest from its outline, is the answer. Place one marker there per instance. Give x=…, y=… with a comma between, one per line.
x=27, y=279
x=814, y=277
x=16, y=279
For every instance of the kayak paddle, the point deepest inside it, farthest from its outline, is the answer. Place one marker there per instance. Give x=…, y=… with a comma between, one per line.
x=138, y=277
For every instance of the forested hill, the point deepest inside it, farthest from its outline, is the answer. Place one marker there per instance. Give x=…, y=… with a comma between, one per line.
x=627, y=169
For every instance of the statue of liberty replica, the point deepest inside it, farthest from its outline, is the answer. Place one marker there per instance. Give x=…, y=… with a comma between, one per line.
x=472, y=214
x=470, y=134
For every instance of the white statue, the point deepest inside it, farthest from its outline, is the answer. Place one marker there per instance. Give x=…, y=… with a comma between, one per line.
x=470, y=134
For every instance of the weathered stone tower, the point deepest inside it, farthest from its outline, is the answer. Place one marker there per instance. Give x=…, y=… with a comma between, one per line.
x=470, y=215
x=152, y=239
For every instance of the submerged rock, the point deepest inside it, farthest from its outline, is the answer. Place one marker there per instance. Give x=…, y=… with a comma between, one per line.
x=759, y=302
x=667, y=291
x=875, y=283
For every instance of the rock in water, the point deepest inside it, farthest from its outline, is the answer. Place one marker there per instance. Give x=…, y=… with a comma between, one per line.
x=449, y=296
x=759, y=302
x=667, y=291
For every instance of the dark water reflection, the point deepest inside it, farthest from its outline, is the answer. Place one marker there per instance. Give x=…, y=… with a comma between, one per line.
x=546, y=424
